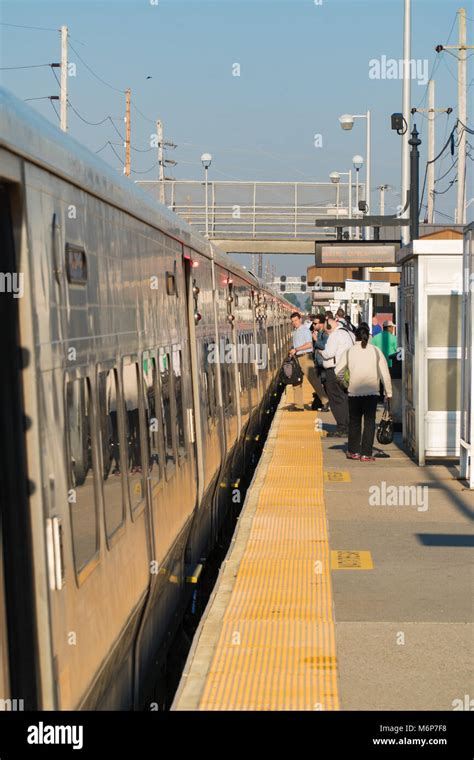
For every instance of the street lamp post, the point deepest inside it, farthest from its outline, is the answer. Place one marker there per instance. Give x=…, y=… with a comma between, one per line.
x=206, y=160
x=357, y=162
x=335, y=178
x=347, y=122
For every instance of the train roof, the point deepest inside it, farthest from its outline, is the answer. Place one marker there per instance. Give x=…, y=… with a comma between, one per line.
x=30, y=135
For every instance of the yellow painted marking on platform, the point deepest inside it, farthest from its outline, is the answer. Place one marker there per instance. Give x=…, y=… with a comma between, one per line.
x=276, y=648
x=337, y=476
x=351, y=560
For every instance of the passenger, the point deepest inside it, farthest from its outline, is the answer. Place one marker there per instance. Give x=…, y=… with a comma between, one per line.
x=367, y=367
x=303, y=349
x=320, y=338
x=329, y=315
x=340, y=339
x=342, y=316
x=386, y=340
x=376, y=329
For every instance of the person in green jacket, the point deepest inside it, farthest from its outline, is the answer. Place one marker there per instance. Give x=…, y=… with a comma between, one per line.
x=386, y=340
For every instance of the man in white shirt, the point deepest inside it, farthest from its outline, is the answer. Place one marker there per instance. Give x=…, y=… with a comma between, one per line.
x=340, y=339
x=303, y=349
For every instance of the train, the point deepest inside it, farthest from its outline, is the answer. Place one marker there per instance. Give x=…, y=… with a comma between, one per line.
x=139, y=366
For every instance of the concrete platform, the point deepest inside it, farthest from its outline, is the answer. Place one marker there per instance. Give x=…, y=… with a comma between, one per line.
x=396, y=543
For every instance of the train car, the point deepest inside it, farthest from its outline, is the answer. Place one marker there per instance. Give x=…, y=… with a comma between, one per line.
x=133, y=383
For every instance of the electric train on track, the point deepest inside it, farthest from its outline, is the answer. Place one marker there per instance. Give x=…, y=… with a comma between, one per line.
x=138, y=367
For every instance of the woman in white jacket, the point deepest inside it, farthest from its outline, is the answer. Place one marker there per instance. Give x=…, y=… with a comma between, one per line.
x=367, y=367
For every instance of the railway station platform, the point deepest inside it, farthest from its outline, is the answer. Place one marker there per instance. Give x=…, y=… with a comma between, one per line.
x=347, y=585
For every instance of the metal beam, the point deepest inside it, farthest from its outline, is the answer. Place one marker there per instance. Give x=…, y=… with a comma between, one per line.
x=367, y=221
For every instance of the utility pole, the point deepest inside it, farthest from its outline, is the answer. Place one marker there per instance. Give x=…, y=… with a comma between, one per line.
x=431, y=111
x=382, y=189
x=462, y=47
x=462, y=115
x=260, y=266
x=127, y=167
x=161, y=164
x=63, y=93
x=406, y=97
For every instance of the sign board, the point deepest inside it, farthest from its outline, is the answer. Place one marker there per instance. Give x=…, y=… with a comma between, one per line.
x=348, y=254
x=369, y=287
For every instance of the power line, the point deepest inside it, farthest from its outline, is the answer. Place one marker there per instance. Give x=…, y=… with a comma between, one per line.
x=433, y=160
x=147, y=118
x=38, y=28
x=93, y=72
x=147, y=171
x=443, y=192
x=105, y=146
x=139, y=150
x=90, y=123
x=43, y=97
x=116, y=154
x=54, y=108
x=33, y=66
x=446, y=173
x=437, y=62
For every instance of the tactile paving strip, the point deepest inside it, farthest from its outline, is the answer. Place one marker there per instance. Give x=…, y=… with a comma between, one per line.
x=276, y=648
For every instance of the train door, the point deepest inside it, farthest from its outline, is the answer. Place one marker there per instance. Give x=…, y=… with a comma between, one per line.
x=194, y=408
x=18, y=644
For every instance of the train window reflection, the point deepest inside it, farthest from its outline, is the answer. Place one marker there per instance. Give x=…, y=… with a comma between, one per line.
x=112, y=482
x=81, y=476
x=179, y=396
x=151, y=417
x=164, y=365
x=132, y=434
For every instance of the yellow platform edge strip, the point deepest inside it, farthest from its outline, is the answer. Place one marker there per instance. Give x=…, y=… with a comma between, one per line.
x=276, y=648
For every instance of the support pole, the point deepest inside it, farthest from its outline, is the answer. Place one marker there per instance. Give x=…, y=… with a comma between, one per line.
x=406, y=108
x=462, y=113
x=431, y=149
x=63, y=93
x=127, y=168
x=161, y=166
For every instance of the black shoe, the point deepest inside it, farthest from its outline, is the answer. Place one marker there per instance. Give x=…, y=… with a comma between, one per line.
x=338, y=433
x=324, y=408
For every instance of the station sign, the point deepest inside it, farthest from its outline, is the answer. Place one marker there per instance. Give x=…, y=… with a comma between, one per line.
x=360, y=255
x=366, y=287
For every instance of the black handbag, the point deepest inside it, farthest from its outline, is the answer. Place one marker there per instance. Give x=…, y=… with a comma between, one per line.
x=385, y=426
x=291, y=372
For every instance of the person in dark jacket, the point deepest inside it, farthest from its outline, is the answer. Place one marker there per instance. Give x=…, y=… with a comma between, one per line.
x=320, y=338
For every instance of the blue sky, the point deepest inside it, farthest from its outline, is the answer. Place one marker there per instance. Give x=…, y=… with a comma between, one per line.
x=302, y=65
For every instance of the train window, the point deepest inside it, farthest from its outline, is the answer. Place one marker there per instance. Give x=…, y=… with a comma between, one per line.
x=228, y=382
x=133, y=453
x=179, y=396
x=165, y=380
x=109, y=432
x=151, y=417
x=81, y=476
x=209, y=379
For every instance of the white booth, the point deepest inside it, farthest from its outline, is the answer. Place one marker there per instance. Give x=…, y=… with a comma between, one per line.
x=430, y=335
x=467, y=383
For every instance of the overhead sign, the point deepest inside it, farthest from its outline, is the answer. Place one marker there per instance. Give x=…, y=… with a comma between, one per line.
x=287, y=284
x=348, y=254
x=362, y=287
